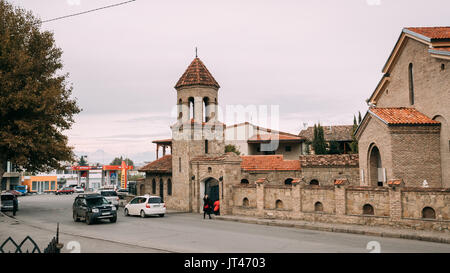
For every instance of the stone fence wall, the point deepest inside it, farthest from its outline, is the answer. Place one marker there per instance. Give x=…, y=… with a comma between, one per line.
x=416, y=208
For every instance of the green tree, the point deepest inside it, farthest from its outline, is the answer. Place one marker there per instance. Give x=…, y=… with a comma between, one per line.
x=35, y=97
x=318, y=143
x=230, y=148
x=334, y=148
x=83, y=161
x=354, y=143
x=118, y=161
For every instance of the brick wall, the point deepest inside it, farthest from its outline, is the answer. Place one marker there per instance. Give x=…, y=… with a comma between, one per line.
x=396, y=207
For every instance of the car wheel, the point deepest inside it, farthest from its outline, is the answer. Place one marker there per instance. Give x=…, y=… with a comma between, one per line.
x=89, y=220
x=161, y=215
x=143, y=214
x=75, y=217
x=126, y=212
x=113, y=220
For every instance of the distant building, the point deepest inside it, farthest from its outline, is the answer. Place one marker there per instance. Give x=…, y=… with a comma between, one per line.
x=342, y=134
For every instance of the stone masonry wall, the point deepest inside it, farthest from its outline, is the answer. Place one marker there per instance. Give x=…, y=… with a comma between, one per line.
x=398, y=207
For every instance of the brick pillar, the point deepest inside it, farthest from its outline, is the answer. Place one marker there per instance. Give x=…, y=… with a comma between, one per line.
x=260, y=199
x=296, y=198
x=339, y=196
x=395, y=203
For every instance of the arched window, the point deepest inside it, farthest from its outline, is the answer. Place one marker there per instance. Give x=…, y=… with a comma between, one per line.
x=153, y=186
x=206, y=110
x=180, y=109
x=318, y=206
x=161, y=188
x=288, y=181
x=191, y=108
x=428, y=213
x=411, y=84
x=245, y=202
x=169, y=187
x=244, y=181
x=314, y=182
x=368, y=209
x=206, y=146
x=279, y=204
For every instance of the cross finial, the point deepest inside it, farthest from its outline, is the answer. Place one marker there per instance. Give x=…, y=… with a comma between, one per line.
x=196, y=52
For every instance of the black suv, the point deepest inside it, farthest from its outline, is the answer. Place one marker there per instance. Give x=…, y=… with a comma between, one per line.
x=9, y=202
x=93, y=207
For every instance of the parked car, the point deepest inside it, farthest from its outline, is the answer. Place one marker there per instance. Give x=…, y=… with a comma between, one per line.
x=145, y=205
x=92, y=207
x=14, y=192
x=23, y=189
x=122, y=192
x=111, y=196
x=65, y=190
x=9, y=202
x=78, y=189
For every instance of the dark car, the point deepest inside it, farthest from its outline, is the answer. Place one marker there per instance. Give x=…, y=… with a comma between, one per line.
x=66, y=190
x=92, y=207
x=9, y=202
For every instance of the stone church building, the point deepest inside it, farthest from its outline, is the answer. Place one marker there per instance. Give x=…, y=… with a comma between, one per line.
x=405, y=133
x=400, y=178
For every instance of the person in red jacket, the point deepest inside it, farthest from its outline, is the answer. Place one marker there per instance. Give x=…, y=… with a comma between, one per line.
x=217, y=207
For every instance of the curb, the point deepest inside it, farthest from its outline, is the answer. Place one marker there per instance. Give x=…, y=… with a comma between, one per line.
x=388, y=234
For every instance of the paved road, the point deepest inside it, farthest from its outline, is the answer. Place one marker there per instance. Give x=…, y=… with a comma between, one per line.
x=187, y=232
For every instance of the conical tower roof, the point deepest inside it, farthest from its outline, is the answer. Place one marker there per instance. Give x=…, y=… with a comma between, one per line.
x=196, y=74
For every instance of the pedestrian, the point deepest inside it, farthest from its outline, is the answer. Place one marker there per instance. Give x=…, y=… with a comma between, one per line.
x=207, y=206
x=217, y=207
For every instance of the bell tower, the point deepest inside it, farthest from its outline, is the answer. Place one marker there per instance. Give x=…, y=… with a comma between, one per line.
x=197, y=132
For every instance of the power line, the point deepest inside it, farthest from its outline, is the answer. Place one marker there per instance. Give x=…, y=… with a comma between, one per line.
x=88, y=11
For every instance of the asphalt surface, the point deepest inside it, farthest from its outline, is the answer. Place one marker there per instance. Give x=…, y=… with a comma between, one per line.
x=188, y=232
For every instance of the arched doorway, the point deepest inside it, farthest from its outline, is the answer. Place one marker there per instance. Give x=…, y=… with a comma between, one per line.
x=210, y=187
x=376, y=171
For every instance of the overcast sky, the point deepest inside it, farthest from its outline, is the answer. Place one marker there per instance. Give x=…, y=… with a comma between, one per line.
x=318, y=59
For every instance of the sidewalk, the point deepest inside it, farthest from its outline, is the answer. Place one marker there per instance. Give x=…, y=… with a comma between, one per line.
x=430, y=236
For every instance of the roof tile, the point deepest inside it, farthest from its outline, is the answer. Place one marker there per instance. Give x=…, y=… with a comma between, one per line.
x=268, y=163
x=432, y=32
x=351, y=160
x=402, y=116
x=162, y=165
x=197, y=74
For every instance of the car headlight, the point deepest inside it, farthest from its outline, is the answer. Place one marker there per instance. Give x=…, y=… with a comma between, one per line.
x=95, y=210
x=113, y=208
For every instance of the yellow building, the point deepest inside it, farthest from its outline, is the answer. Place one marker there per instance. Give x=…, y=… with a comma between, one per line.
x=40, y=184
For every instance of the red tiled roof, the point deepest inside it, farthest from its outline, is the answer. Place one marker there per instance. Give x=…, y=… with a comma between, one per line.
x=269, y=137
x=197, y=74
x=351, y=160
x=402, y=116
x=395, y=182
x=268, y=163
x=162, y=165
x=260, y=180
x=340, y=181
x=432, y=32
x=169, y=140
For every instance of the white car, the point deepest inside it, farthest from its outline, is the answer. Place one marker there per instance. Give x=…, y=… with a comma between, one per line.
x=111, y=196
x=145, y=205
x=78, y=189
